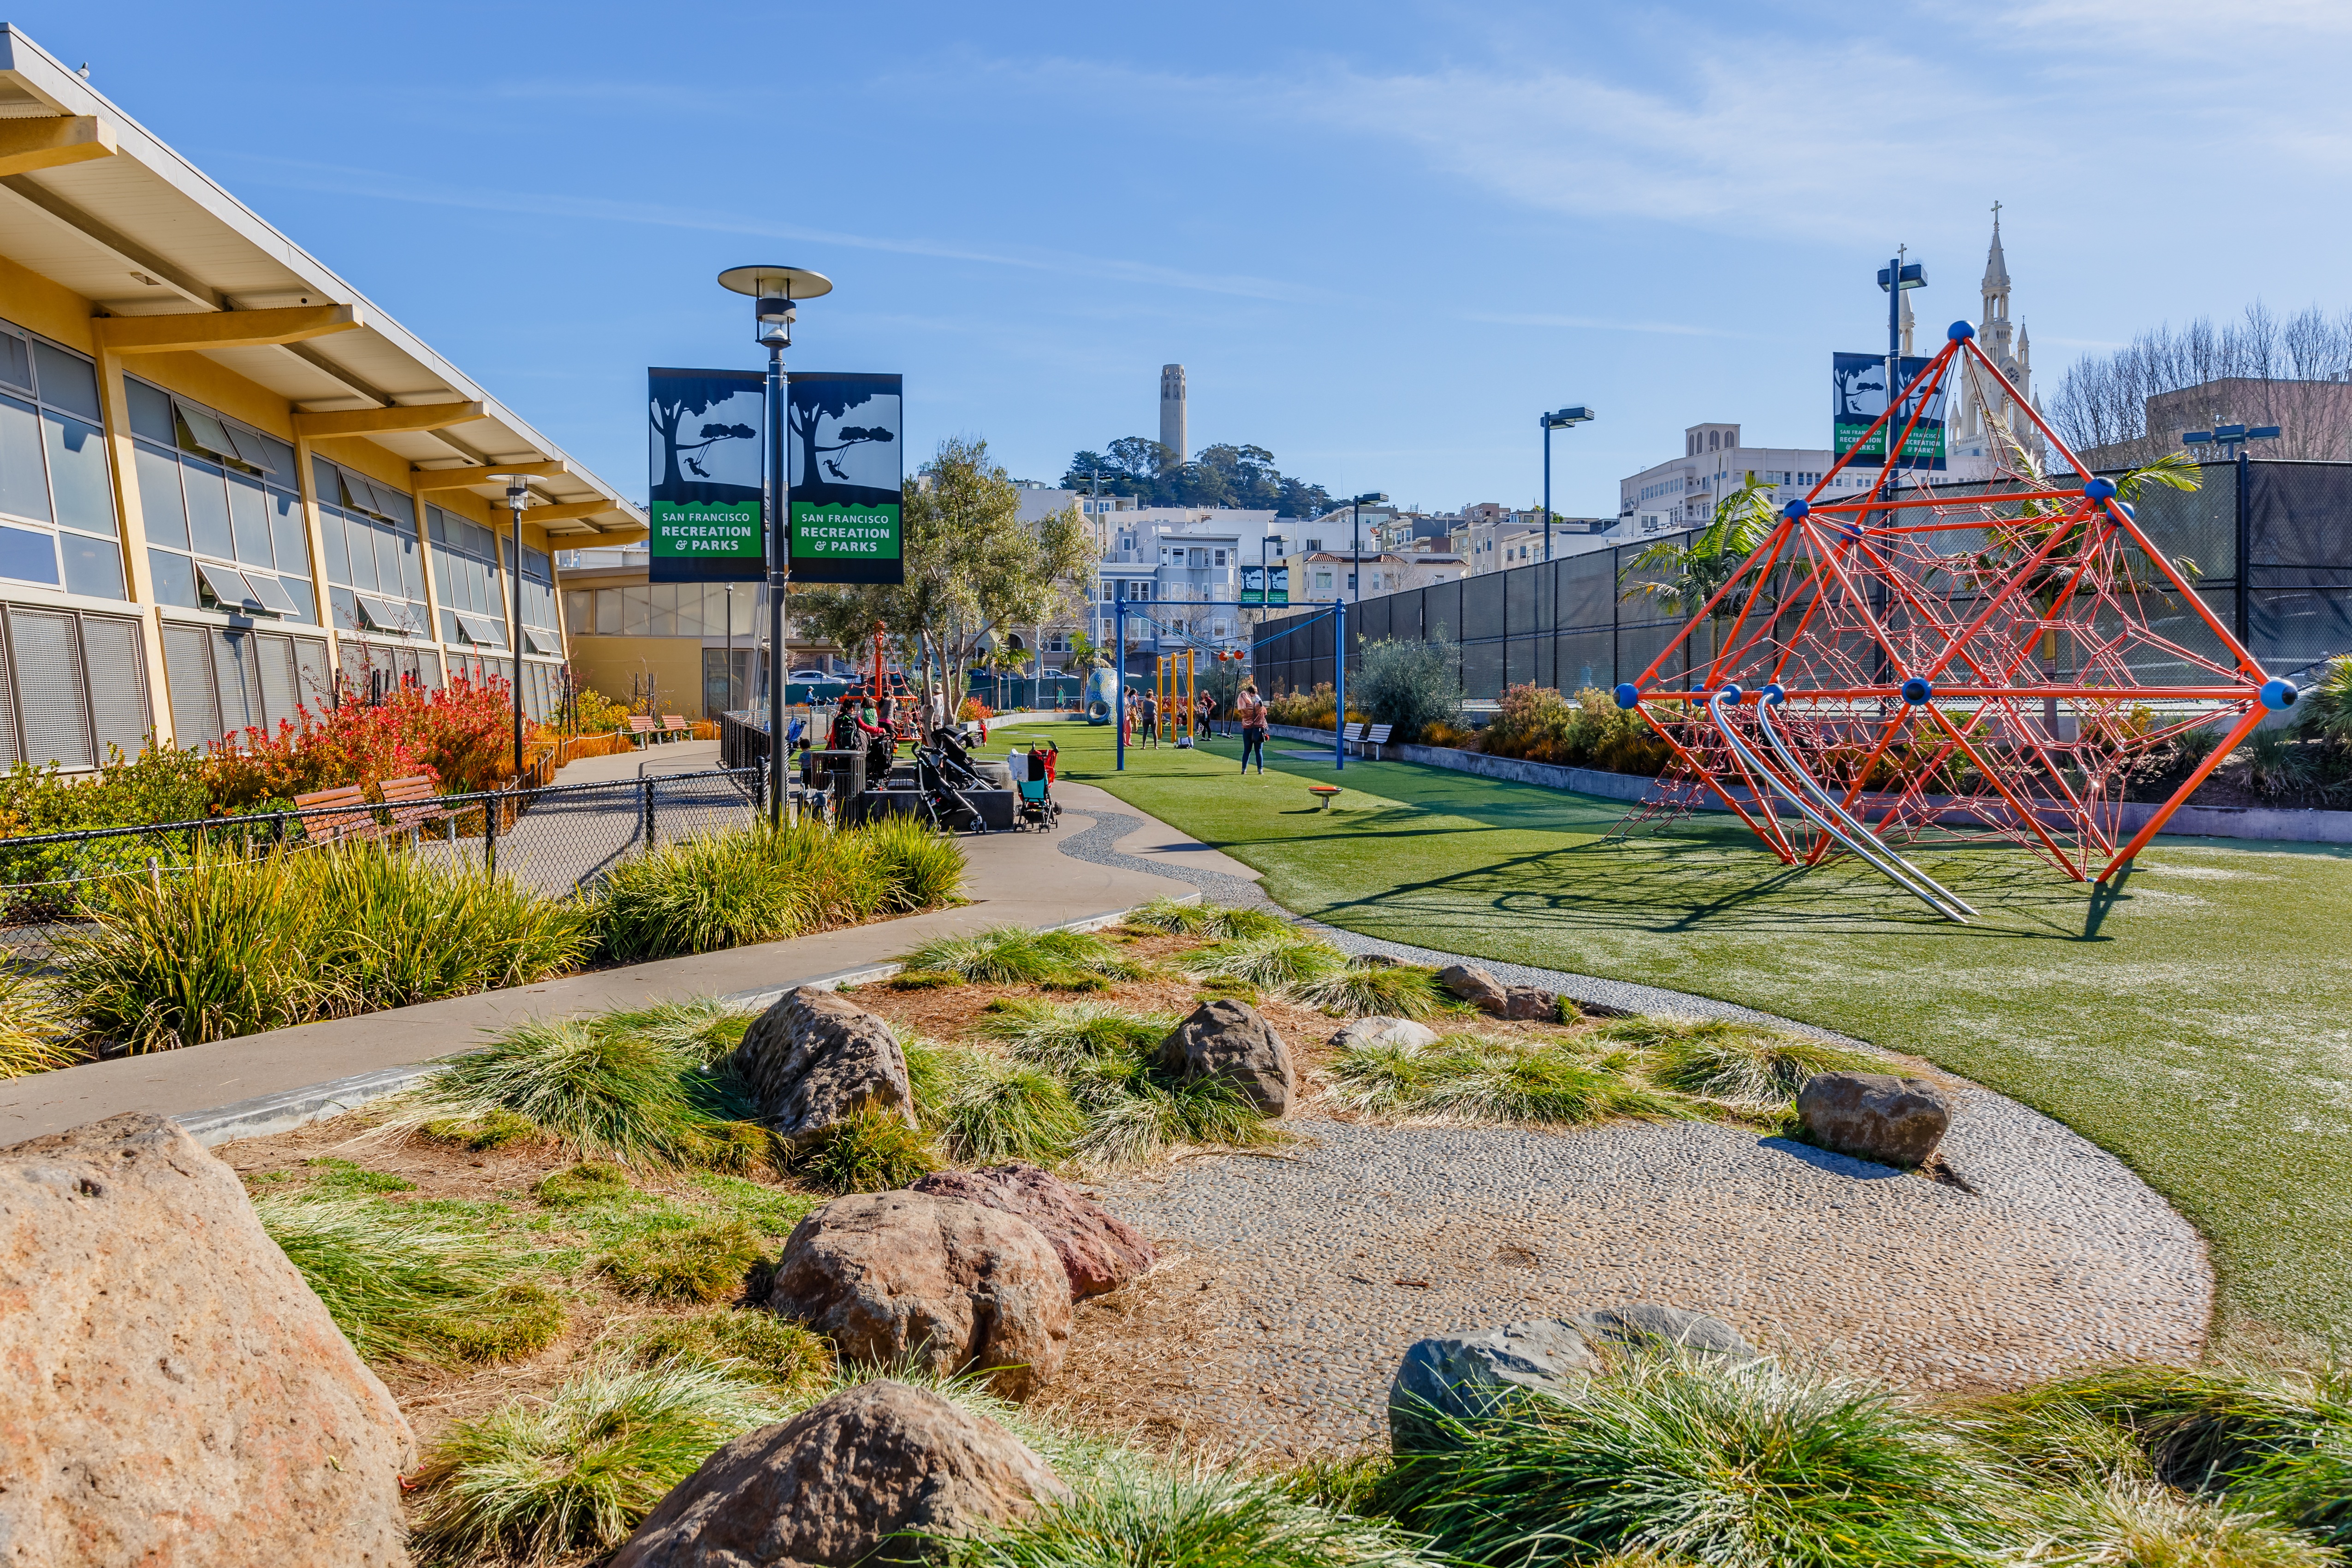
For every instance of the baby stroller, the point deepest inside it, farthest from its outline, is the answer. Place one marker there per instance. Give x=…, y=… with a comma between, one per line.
x=1037, y=805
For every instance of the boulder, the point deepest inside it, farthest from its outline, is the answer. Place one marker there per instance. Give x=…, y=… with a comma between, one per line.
x=1099, y=1251
x=1531, y=1002
x=1873, y=1116
x=1232, y=1040
x=938, y=1283
x=174, y=1393
x=1475, y=986
x=1469, y=1377
x=815, y=1059
x=1403, y=1033
x=832, y=1486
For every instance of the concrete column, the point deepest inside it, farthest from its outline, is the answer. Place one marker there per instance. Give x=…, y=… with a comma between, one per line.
x=130, y=533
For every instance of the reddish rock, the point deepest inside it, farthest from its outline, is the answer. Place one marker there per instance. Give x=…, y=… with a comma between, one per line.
x=1098, y=1251
x=1531, y=1002
x=1475, y=986
x=943, y=1284
x=1875, y=1116
x=834, y=1484
x=171, y=1390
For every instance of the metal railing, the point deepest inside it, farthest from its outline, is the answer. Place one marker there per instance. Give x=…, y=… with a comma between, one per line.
x=558, y=839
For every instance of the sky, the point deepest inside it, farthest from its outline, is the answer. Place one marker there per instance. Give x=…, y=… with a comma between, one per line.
x=1380, y=236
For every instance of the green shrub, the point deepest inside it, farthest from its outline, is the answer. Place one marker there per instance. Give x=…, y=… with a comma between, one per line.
x=33, y=1028
x=874, y=1151
x=1752, y=1466
x=1199, y=1517
x=589, y=1182
x=1000, y=1111
x=1370, y=988
x=704, y=1262
x=1017, y=955
x=401, y=1284
x=228, y=946
x=915, y=866
x=1410, y=683
x=1738, y=1063
x=1269, y=962
x=1588, y=730
x=1066, y=1036
x=535, y=1480
x=788, y=1358
x=1203, y=919
x=1475, y=1078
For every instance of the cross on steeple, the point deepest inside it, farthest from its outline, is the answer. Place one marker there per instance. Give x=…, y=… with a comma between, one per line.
x=1996, y=215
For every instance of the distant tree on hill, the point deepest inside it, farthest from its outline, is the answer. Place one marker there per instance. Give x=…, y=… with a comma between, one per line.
x=1243, y=477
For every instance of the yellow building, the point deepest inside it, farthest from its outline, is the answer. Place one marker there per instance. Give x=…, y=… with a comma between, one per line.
x=667, y=647
x=227, y=480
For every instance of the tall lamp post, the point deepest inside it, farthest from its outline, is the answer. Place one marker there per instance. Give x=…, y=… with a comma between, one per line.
x=776, y=292
x=1574, y=414
x=518, y=490
x=2231, y=440
x=1356, y=531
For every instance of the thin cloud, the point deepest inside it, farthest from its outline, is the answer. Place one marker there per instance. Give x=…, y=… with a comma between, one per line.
x=1599, y=323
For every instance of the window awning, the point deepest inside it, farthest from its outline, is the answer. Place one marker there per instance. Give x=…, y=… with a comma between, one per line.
x=537, y=641
x=229, y=586
x=269, y=591
x=383, y=615
x=481, y=631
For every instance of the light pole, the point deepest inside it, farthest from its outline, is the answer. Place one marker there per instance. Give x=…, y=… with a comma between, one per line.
x=1356, y=531
x=2232, y=439
x=1894, y=278
x=1574, y=414
x=776, y=292
x=518, y=488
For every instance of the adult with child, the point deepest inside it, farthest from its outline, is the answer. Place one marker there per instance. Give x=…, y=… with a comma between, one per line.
x=1250, y=709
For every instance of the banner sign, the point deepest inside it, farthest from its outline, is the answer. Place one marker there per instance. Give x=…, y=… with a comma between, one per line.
x=847, y=475
x=1860, y=397
x=1256, y=591
x=704, y=488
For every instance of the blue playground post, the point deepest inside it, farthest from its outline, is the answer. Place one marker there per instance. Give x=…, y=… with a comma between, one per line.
x=1118, y=680
x=1340, y=689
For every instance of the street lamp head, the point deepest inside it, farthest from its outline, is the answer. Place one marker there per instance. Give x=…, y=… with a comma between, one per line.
x=777, y=292
x=1912, y=277
x=1371, y=498
x=1574, y=414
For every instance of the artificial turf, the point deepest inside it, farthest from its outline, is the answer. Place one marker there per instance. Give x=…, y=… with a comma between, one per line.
x=2196, y=1020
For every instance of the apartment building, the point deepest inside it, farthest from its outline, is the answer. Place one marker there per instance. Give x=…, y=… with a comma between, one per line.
x=229, y=482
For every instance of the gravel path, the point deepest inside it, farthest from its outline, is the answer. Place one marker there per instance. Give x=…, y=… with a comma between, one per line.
x=1292, y=1286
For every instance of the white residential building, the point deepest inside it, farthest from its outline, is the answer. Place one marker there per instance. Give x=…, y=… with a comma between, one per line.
x=1682, y=492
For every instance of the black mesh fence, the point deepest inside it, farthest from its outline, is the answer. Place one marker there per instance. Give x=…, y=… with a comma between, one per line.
x=558, y=839
x=1585, y=621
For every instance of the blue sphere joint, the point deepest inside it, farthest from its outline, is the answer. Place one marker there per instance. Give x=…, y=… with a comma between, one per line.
x=1918, y=690
x=1732, y=694
x=1959, y=332
x=1797, y=508
x=2099, y=489
x=1774, y=694
x=2279, y=695
x=1627, y=694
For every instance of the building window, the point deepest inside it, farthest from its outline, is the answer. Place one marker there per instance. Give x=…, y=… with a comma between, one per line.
x=375, y=567
x=57, y=494
x=1323, y=580
x=71, y=687
x=652, y=610
x=1221, y=558
x=1313, y=545
x=223, y=681
x=224, y=517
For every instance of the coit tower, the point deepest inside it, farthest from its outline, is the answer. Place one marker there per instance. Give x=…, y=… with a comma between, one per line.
x=1171, y=410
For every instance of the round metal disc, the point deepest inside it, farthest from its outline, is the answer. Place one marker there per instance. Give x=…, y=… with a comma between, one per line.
x=793, y=282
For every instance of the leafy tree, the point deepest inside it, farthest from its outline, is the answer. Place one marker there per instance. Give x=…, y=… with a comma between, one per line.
x=1410, y=683
x=971, y=566
x=1243, y=477
x=1696, y=567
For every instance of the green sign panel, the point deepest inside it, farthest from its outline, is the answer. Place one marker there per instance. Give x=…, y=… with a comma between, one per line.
x=704, y=485
x=1859, y=397
x=1265, y=587
x=847, y=475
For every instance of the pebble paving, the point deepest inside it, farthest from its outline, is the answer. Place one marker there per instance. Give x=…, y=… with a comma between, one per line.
x=1304, y=1278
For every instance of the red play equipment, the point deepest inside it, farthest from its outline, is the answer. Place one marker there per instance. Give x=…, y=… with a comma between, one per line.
x=1912, y=665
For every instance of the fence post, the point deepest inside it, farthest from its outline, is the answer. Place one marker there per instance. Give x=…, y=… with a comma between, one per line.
x=646, y=790
x=154, y=873
x=490, y=833
x=2243, y=617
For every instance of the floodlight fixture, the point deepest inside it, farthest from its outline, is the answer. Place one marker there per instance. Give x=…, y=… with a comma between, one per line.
x=1913, y=276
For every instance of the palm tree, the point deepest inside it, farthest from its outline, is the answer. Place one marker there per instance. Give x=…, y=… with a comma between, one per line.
x=1696, y=567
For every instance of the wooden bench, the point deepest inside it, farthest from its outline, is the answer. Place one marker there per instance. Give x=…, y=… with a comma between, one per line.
x=346, y=814
x=643, y=729
x=676, y=728
x=413, y=802
x=1377, y=737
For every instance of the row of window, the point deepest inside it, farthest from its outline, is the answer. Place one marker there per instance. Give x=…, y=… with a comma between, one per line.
x=56, y=502
x=664, y=610
x=71, y=686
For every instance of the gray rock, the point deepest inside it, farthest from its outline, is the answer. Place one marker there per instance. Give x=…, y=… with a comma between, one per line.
x=1530, y=1002
x=1475, y=986
x=939, y=1283
x=1469, y=1377
x=832, y=1486
x=1359, y=1032
x=174, y=1391
x=815, y=1059
x=1873, y=1116
x=1232, y=1040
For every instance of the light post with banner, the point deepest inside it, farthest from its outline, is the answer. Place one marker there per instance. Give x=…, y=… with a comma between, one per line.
x=1573, y=414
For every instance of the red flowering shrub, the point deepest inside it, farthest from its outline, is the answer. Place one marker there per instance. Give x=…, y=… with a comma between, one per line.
x=461, y=738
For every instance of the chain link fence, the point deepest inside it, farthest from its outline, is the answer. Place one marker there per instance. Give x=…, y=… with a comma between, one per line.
x=558, y=839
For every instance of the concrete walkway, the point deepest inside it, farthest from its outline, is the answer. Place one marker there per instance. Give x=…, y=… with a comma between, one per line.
x=266, y=1082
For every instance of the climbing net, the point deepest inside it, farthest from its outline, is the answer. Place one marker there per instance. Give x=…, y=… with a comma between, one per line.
x=1920, y=663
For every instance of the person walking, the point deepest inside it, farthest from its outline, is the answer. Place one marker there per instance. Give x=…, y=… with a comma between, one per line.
x=1250, y=709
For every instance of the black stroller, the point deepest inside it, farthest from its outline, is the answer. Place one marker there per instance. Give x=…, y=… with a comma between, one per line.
x=943, y=772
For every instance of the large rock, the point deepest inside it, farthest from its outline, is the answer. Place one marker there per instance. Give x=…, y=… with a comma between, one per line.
x=1531, y=1002
x=1467, y=1377
x=171, y=1390
x=832, y=1486
x=939, y=1283
x=1873, y=1116
x=1099, y=1251
x=1404, y=1033
x=815, y=1059
x=1230, y=1039
x=1475, y=986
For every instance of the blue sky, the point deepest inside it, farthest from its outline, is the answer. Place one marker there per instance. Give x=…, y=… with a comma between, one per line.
x=1380, y=236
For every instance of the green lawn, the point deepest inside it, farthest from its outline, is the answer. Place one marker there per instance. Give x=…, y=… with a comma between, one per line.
x=2196, y=1022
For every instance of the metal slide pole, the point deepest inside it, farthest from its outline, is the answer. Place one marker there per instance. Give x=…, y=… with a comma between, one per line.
x=1821, y=799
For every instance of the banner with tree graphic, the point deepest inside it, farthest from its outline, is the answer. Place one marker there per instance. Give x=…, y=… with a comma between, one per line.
x=704, y=495
x=848, y=477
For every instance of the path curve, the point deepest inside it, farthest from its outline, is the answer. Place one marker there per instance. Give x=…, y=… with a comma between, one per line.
x=1298, y=1283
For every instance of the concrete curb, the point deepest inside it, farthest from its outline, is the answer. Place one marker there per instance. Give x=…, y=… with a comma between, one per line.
x=282, y=1112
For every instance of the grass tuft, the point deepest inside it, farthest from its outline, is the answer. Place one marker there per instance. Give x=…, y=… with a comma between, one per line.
x=1481, y=1078
x=1194, y=1518
x=1065, y=1036
x=536, y=1480
x=492, y=1130
x=329, y=1174
x=401, y=1286
x=874, y=1151
x=703, y=1262
x=1271, y=961
x=517, y=1320
x=2140, y=1524
x=1218, y=921
x=1369, y=988
x=1017, y=955
x=589, y=1182
x=1739, y=1064
x=34, y=1029
x=1000, y=1111
x=775, y=1352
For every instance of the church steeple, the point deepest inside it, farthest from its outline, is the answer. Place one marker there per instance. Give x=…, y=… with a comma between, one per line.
x=1978, y=408
x=1996, y=275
